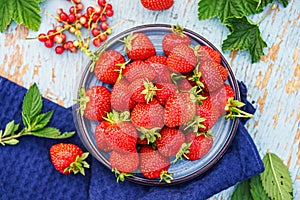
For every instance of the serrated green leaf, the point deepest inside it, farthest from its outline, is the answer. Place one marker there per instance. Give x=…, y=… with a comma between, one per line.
x=9, y=128
x=42, y=120
x=11, y=141
x=276, y=179
x=32, y=105
x=7, y=10
x=257, y=190
x=224, y=9
x=242, y=191
x=245, y=35
x=54, y=133
x=27, y=13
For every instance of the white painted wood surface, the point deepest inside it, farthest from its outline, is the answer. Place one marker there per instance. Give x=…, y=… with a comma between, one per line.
x=273, y=83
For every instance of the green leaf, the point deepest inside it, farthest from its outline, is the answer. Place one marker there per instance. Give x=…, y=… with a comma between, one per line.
x=284, y=2
x=7, y=10
x=276, y=179
x=32, y=105
x=257, y=190
x=245, y=35
x=42, y=120
x=27, y=13
x=242, y=191
x=224, y=9
x=11, y=141
x=10, y=128
x=54, y=133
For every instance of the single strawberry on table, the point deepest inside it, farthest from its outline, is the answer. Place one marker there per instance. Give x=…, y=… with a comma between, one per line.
x=108, y=67
x=157, y=4
x=176, y=37
x=154, y=165
x=138, y=46
x=68, y=158
x=94, y=103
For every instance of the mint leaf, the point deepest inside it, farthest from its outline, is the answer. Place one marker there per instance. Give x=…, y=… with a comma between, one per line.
x=50, y=132
x=41, y=120
x=242, y=191
x=10, y=128
x=7, y=9
x=27, y=13
x=32, y=105
x=11, y=142
x=224, y=9
x=257, y=190
x=245, y=35
x=276, y=179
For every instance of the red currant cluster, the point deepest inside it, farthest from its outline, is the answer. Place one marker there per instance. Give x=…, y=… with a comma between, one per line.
x=94, y=19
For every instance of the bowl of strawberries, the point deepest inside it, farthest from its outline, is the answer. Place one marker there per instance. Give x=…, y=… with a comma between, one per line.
x=157, y=105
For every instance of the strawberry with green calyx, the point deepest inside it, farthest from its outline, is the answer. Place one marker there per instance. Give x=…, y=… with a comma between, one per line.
x=119, y=132
x=182, y=59
x=142, y=91
x=139, y=70
x=148, y=115
x=148, y=136
x=157, y=4
x=68, y=158
x=94, y=103
x=108, y=66
x=200, y=144
x=138, y=46
x=173, y=39
x=170, y=141
x=154, y=165
x=123, y=164
x=205, y=53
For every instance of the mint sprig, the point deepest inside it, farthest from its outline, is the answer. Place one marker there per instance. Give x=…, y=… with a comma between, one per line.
x=35, y=122
x=22, y=12
x=245, y=34
x=274, y=183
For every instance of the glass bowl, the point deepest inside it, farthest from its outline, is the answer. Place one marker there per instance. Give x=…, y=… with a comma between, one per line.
x=224, y=130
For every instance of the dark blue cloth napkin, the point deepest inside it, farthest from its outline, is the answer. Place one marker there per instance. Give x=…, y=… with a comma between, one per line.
x=26, y=171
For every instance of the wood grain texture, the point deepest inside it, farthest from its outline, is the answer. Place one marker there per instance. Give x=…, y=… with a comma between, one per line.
x=273, y=83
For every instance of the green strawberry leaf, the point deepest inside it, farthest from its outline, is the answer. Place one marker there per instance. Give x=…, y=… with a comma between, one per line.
x=245, y=35
x=276, y=179
x=42, y=120
x=7, y=9
x=242, y=191
x=32, y=105
x=257, y=190
x=51, y=132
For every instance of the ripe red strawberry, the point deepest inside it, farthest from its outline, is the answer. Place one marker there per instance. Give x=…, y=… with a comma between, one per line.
x=106, y=68
x=153, y=164
x=95, y=102
x=200, y=145
x=138, y=46
x=182, y=59
x=163, y=74
x=120, y=96
x=212, y=76
x=205, y=53
x=100, y=137
x=124, y=162
x=137, y=70
x=148, y=115
x=157, y=4
x=157, y=59
x=173, y=39
x=164, y=90
x=170, y=141
x=68, y=158
x=184, y=85
x=120, y=134
x=142, y=91
x=179, y=109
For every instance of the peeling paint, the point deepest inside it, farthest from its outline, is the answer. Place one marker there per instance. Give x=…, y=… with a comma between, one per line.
x=293, y=85
x=262, y=100
x=275, y=117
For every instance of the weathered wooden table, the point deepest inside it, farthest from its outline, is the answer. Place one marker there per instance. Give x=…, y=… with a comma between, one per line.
x=273, y=83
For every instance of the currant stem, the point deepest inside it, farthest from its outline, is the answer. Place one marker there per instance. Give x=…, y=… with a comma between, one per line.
x=273, y=7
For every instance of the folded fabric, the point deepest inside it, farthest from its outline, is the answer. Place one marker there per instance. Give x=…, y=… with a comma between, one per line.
x=26, y=171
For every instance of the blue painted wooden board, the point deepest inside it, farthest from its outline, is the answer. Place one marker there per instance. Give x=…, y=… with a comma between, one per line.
x=273, y=83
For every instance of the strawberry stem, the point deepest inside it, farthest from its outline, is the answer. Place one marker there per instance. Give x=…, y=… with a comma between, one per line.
x=120, y=175
x=79, y=164
x=184, y=149
x=233, y=109
x=166, y=176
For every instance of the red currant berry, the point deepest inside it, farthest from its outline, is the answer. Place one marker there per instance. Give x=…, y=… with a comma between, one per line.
x=73, y=49
x=59, y=49
x=51, y=34
x=108, y=6
x=42, y=37
x=86, y=25
x=72, y=9
x=71, y=18
x=95, y=17
x=97, y=42
x=82, y=20
x=59, y=28
x=49, y=43
x=109, y=13
x=103, y=37
x=101, y=2
x=63, y=16
x=79, y=6
x=77, y=1
x=104, y=26
x=103, y=18
x=90, y=10
x=59, y=10
x=98, y=10
x=95, y=32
